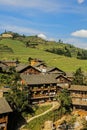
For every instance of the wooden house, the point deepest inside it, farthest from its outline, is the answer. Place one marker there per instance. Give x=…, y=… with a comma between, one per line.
x=55, y=70
x=27, y=69
x=3, y=67
x=41, y=66
x=35, y=61
x=79, y=96
x=4, y=111
x=42, y=87
x=7, y=35
x=69, y=75
x=63, y=82
x=4, y=91
x=11, y=63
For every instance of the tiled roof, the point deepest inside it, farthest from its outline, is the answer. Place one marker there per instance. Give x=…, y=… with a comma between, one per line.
x=4, y=106
x=78, y=88
x=4, y=66
x=9, y=61
x=21, y=67
x=39, y=79
x=63, y=77
x=69, y=74
x=50, y=69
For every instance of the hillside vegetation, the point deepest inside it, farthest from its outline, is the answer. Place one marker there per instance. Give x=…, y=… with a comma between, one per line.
x=65, y=56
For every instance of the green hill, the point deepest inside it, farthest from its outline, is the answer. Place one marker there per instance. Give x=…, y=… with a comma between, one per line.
x=23, y=47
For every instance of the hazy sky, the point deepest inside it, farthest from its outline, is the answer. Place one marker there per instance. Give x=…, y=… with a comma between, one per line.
x=50, y=19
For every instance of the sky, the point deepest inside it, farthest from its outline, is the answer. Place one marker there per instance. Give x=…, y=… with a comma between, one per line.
x=49, y=19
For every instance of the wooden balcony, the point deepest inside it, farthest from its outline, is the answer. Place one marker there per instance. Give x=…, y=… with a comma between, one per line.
x=53, y=88
x=36, y=90
x=43, y=89
x=76, y=95
x=39, y=96
x=79, y=95
x=79, y=102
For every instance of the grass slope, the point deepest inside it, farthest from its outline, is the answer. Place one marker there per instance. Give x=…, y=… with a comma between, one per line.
x=22, y=52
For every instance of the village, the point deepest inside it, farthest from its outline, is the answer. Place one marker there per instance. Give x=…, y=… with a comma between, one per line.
x=43, y=65
x=43, y=83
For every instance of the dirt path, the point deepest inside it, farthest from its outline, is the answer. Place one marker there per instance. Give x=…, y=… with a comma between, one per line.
x=55, y=105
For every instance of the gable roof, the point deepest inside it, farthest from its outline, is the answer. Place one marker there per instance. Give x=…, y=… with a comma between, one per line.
x=63, y=77
x=4, y=106
x=51, y=69
x=9, y=61
x=22, y=67
x=4, y=66
x=39, y=79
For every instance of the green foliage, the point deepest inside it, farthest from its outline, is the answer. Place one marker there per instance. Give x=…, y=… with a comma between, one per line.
x=5, y=48
x=15, y=35
x=60, y=51
x=82, y=54
x=18, y=99
x=65, y=101
x=40, y=109
x=67, y=52
x=78, y=77
x=38, y=123
x=6, y=79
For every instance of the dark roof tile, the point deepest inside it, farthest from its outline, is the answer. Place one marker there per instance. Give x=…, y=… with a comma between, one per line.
x=39, y=79
x=4, y=106
x=78, y=88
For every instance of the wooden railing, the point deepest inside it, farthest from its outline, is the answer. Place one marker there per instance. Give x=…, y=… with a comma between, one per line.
x=79, y=95
x=42, y=96
x=79, y=102
x=43, y=89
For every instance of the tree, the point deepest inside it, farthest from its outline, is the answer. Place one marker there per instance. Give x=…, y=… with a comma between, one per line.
x=65, y=101
x=15, y=35
x=79, y=54
x=78, y=77
x=27, y=44
x=18, y=96
x=29, y=60
x=67, y=52
x=60, y=41
x=18, y=99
